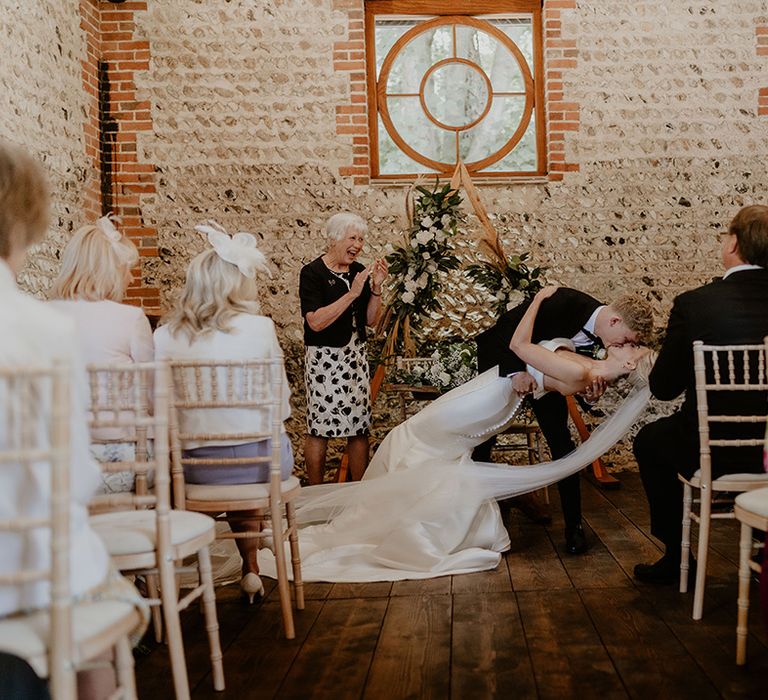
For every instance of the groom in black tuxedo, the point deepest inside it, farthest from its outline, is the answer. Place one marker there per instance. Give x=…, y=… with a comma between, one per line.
x=731, y=310
x=568, y=313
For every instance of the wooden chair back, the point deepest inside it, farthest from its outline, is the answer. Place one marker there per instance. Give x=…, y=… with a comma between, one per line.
x=133, y=399
x=200, y=386
x=731, y=372
x=34, y=436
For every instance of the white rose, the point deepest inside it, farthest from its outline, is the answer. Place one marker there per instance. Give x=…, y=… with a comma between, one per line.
x=425, y=256
x=445, y=220
x=424, y=237
x=408, y=297
x=414, y=243
x=426, y=222
x=422, y=281
x=500, y=295
x=432, y=268
x=410, y=285
x=445, y=377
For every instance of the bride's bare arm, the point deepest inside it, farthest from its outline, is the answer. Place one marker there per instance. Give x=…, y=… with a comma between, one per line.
x=570, y=374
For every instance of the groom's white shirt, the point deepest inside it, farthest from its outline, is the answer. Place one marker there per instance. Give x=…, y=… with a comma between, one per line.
x=581, y=339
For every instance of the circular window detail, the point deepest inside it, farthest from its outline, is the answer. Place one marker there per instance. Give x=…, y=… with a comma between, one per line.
x=448, y=107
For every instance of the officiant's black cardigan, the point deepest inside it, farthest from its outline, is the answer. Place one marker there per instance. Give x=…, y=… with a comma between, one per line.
x=319, y=287
x=562, y=315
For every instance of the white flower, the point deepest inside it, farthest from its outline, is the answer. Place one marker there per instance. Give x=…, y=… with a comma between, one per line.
x=410, y=285
x=408, y=297
x=500, y=295
x=425, y=256
x=445, y=220
x=414, y=243
x=424, y=237
x=432, y=268
x=511, y=305
x=422, y=281
x=426, y=222
x=445, y=377
x=389, y=249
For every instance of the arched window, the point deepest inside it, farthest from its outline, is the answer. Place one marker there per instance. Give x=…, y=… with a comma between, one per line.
x=446, y=86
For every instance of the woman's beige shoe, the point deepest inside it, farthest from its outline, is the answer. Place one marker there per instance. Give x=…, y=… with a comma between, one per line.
x=252, y=586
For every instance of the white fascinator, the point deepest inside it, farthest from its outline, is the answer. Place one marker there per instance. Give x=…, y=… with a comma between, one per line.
x=106, y=224
x=240, y=249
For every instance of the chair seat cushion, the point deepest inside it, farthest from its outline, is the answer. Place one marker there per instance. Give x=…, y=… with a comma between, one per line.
x=754, y=501
x=133, y=531
x=747, y=479
x=236, y=492
x=27, y=635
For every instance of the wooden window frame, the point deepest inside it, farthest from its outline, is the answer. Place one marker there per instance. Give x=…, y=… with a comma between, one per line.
x=443, y=10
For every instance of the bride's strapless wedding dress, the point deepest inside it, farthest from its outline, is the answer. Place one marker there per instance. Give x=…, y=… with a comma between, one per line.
x=424, y=508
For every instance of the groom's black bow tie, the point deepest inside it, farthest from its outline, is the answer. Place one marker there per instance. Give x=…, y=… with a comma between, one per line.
x=593, y=348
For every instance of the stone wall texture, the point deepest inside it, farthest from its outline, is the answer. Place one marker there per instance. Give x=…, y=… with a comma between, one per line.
x=45, y=109
x=671, y=139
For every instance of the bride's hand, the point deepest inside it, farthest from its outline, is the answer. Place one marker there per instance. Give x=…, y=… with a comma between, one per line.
x=548, y=291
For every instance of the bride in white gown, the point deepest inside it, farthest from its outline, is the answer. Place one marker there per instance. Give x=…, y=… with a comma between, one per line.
x=424, y=508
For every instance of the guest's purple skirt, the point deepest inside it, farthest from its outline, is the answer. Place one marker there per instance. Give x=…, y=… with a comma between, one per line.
x=237, y=473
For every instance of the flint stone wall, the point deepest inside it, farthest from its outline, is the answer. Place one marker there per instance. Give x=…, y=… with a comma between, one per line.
x=44, y=110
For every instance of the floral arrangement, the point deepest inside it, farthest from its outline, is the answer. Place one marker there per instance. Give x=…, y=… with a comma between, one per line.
x=448, y=364
x=415, y=266
x=505, y=281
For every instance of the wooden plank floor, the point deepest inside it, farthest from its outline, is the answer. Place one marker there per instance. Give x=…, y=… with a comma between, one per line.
x=542, y=625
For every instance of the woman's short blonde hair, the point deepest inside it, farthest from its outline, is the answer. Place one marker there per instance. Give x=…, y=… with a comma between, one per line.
x=214, y=292
x=24, y=200
x=337, y=226
x=93, y=267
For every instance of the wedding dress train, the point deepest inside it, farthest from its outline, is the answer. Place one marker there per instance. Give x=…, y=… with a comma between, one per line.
x=424, y=508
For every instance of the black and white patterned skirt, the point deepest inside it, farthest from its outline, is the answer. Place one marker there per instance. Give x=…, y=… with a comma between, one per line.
x=338, y=390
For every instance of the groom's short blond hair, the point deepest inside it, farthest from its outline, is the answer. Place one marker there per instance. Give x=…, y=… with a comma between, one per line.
x=637, y=314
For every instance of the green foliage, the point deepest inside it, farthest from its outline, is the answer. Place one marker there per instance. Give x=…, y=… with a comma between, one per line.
x=502, y=284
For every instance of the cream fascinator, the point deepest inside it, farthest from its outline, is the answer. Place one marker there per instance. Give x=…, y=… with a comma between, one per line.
x=106, y=224
x=239, y=249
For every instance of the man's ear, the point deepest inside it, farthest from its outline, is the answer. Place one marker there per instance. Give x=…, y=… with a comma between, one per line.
x=614, y=320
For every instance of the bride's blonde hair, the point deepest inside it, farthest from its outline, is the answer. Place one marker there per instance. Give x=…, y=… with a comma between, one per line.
x=639, y=375
x=214, y=293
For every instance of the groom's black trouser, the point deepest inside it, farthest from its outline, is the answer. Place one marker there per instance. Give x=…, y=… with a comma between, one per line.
x=551, y=412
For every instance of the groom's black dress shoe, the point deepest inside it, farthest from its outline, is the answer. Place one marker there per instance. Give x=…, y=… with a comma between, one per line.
x=665, y=571
x=575, y=540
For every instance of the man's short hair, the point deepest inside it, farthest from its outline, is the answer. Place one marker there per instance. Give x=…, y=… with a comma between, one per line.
x=750, y=226
x=23, y=200
x=637, y=314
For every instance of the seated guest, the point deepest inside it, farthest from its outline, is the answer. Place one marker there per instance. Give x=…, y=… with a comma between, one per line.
x=731, y=310
x=34, y=333
x=339, y=298
x=95, y=272
x=218, y=318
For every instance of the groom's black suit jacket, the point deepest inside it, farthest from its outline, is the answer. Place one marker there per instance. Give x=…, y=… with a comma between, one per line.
x=725, y=312
x=563, y=315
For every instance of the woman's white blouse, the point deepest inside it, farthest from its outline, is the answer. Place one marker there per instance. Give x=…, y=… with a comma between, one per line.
x=251, y=337
x=35, y=333
x=109, y=333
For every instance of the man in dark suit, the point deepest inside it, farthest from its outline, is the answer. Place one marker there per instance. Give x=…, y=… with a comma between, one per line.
x=731, y=310
x=572, y=314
